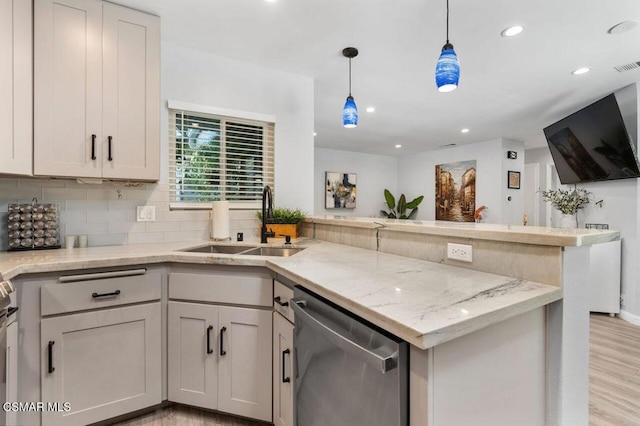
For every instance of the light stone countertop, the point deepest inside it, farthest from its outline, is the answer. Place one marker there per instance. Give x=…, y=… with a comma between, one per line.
x=424, y=303
x=561, y=237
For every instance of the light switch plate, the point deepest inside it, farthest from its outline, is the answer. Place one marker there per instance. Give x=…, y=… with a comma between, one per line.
x=146, y=214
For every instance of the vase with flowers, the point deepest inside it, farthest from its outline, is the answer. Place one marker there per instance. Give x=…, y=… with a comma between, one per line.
x=477, y=215
x=568, y=202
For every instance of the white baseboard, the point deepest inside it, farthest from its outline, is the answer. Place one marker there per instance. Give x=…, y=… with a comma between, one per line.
x=629, y=317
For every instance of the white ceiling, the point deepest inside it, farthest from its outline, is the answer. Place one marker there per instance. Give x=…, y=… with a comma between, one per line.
x=509, y=87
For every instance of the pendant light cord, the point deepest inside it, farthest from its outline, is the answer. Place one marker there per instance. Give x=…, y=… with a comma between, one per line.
x=447, y=21
x=349, y=76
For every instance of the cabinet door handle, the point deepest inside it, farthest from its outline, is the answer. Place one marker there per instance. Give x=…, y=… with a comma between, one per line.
x=279, y=301
x=93, y=147
x=285, y=379
x=222, y=351
x=96, y=295
x=209, y=350
x=50, y=357
x=109, y=157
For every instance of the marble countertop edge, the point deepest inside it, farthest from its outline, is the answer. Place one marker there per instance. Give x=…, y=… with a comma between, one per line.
x=563, y=237
x=435, y=320
x=479, y=322
x=433, y=336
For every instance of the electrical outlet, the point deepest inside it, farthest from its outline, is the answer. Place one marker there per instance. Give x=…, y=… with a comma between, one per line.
x=461, y=252
x=146, y=214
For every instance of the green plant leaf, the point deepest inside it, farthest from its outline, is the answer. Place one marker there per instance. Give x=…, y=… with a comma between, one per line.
x=413, y=213
x=383, y=213
x=404, y=216
x=391, y=201
x=415, y=202
x=402, y=205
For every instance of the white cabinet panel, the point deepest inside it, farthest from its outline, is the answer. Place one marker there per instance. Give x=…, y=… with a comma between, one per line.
x=11, y=373
x=244, y=385
x=97, y=90
x=604, y=277
x=67, y=87
x=282, y=296
x=193, y=374
x=16, y=82
x=225, y=347
x=282, y=371
x=131, y=94
x=104, y=363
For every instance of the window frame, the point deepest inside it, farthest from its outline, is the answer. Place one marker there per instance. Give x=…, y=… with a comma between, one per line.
x=225, y=114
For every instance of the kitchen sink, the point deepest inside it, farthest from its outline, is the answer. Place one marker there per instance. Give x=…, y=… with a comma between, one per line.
x=217, y=248
x=274, y=251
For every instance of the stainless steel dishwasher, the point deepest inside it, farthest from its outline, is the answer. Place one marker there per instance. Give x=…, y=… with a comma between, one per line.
x=348, y=372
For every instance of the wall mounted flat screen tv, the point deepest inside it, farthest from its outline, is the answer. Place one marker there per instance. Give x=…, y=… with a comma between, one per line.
x=593, y=145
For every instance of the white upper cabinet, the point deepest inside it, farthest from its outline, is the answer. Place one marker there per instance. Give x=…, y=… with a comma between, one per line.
x=131, y=98
x=97, y=90
x=16, y=82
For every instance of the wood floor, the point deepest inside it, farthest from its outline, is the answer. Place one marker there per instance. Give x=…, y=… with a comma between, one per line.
x=178, y=415
x=614, y=383
x=614, y=373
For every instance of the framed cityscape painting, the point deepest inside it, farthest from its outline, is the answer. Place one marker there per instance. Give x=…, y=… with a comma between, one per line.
x=340, y=190
x=456, y=191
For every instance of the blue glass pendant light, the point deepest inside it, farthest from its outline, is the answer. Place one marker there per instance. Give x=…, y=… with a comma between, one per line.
x=350, y=110
x=448, y=67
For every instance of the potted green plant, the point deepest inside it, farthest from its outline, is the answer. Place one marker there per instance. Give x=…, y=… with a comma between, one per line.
x=400, y=211
x=284, y=221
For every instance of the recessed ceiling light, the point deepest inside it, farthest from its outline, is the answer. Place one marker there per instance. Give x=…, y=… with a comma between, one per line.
x=580, y=71
x=464, y=131
x=270, y=1
x=512, y=31
x=315, y=134
x=623, y=27
x=398, y=146
x=371, y=109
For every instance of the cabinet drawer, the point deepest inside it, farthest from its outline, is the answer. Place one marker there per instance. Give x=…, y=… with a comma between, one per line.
x=99, y=290
x=282, y=294
x=239, y=289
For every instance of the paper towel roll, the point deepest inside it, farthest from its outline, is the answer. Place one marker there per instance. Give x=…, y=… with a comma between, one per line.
x=220, y=220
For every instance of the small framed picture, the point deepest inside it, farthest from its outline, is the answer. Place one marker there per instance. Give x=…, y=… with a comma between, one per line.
x=513, y=180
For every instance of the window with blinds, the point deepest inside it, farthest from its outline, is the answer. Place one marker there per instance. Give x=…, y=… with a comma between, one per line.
x=215, y=158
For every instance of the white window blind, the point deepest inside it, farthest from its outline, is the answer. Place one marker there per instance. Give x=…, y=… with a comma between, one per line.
x=215, y=157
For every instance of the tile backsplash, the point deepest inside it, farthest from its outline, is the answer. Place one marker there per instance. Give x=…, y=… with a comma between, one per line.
x=106, y=212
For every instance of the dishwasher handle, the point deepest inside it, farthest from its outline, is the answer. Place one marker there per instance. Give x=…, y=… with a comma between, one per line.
x=338, y=337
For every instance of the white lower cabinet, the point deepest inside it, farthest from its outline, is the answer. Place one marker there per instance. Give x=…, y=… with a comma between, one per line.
x=10, y=418
x=282, y=371
x=220, y=358
x=103, y=363
x=193, y=364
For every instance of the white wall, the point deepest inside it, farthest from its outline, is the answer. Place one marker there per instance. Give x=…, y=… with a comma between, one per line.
x=106, y=213
x=512, y=199
x=193, y=76
x=621, y=204
x=416, y=176
x=375, y=173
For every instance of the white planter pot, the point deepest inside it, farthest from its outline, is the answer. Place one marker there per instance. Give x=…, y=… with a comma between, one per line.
x=568, y=221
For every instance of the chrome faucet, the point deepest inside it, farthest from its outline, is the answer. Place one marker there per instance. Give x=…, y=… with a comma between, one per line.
x=267, y=212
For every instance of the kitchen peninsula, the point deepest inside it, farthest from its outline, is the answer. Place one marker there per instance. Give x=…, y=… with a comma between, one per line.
x=503, y=336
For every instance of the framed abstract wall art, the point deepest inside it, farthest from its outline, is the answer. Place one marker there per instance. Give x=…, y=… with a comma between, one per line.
x=340, y=190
